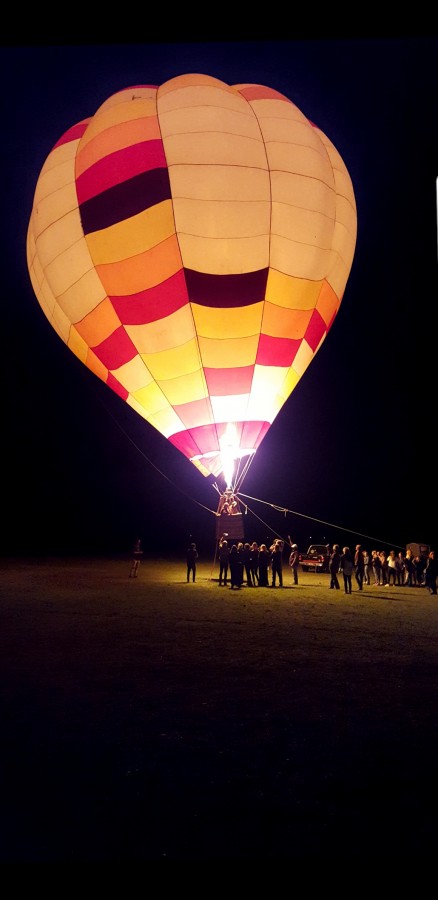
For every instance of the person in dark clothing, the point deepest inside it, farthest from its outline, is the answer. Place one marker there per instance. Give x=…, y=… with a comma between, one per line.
x=137, y=554
x=335, y=558
x=346, y=566
x=294, y=559
x=420, y=564
x=236, y=567
x=224, y=556
x=246, y=553
x=377, y=567
x=254, y=563
x=192, y=556
x=410, y=577
x=277, y=563
x=359, y=566
x=264, y=563
x=431, y=572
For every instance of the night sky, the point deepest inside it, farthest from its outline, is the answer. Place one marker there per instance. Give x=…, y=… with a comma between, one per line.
x=352, y=454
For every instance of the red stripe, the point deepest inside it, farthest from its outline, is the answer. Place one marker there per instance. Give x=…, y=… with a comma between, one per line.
x=315, y=330
x=116, y=350
x=253, y=434
x=205, y=438
x=117, y=387
x=187, y=441
x=273, y=351
x=74, y=133
x=154, y=303
x=120, y=166
x=223, y=382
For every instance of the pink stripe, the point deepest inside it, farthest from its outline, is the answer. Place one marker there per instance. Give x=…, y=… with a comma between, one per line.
x=154, y=303
x=205, y=438
x=275, y=351
x=223, y=382
x=74, y=133
x=116, y=350
x=315, y=330
x=117, y=387
x=120, y=166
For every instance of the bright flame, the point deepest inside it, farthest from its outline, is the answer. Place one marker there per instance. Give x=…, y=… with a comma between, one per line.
x=229, y=452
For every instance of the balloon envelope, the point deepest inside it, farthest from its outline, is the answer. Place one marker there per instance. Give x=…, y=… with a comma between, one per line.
x=191, y=244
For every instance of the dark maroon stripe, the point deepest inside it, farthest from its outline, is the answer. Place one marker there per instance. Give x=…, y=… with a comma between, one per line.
x=125, y=200
x=226, y=291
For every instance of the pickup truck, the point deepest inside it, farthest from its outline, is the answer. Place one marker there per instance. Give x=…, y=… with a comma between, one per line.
x=316, y=559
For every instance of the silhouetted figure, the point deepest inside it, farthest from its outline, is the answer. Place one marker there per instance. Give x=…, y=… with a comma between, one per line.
x=366, y=567
x=346, y=566
x=137, y=554
x=400, y=567
x=247, y=563
x=224, y=556
x=431, y=572
x=192, y=556
x=335, y=559
x=377, y=567
x=277, y=563
x=236, y=567
x=359, y=566
x=264, y=563
x=294, y=559
x=254, y=563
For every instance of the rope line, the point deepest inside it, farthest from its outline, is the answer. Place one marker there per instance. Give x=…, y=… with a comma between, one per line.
x=181, y=491
x=277, y=508
x=293, y=512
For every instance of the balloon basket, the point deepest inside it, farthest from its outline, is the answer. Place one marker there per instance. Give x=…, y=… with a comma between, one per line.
x=231, y=526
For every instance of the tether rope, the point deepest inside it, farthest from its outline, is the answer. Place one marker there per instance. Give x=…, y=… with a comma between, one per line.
x=274, y=506
x=293, y=512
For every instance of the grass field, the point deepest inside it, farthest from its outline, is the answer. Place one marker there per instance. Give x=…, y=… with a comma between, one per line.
x=148, y=718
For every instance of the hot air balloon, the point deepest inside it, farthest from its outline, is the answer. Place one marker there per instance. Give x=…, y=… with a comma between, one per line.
x=191, y=244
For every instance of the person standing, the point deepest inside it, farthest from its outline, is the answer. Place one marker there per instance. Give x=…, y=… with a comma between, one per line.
x=400, y=567
x=410, y=579
x=236, y=568
x=264, y=563
x=419, y=565
x=254, y=563
x=246, y=553
x=335, y=559
x=294, y=559
x=366, y=566
x=431, y=572
x=192, y=556
x=384, y=567
x=392, y=568
x=346, y=566
x=137, y=554
x=277, y=563
x=224, y=556
x=359, y=566
x=377, y=567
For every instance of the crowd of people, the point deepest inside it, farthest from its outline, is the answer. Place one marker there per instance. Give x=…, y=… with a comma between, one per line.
x=262, y=566
x=382, y=569
x=259, y=565
x=255, y=565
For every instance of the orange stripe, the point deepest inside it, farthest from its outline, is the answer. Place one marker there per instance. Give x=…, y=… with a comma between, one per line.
x=113, y=139
x=143, y=271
